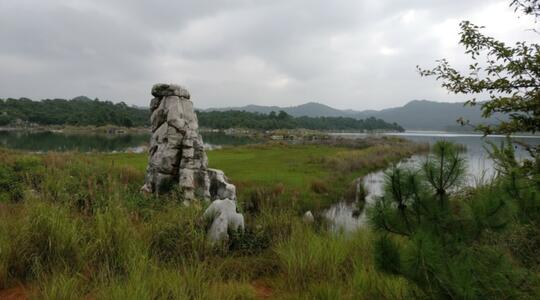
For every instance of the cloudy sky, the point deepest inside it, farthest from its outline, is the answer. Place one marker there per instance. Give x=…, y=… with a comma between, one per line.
x=358, y=54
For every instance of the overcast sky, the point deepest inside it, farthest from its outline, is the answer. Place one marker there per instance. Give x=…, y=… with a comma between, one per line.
x=343, y=53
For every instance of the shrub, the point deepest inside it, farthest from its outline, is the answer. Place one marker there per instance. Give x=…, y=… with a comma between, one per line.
x=11, y=188
x=18, y=173
x=387, y=257
x=248, y=242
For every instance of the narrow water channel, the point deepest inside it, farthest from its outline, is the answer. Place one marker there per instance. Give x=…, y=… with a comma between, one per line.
x=480, y=169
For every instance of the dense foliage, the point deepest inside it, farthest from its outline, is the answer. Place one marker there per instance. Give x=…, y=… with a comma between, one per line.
x=454, y=242
x=510, y=75
x=282, y=120
x=455, y=245
x=80, y=111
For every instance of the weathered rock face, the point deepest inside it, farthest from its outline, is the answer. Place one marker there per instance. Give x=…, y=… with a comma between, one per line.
x=223, y=215
x=220, y=188
x=177, y=158
x=176, y=153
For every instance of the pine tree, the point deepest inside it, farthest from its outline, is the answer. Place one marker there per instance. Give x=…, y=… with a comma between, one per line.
x=432, y=236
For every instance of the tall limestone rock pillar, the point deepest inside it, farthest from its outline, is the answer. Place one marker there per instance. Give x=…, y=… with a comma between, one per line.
x=176, y=153
x=177, y=158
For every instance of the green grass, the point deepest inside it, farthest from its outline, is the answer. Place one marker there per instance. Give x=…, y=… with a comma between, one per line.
x=257, y=164
x=76, y=226
x=294, y=166
x=307, y=177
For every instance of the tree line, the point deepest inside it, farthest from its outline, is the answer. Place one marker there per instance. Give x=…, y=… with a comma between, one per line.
x=80, y=111
x=282, y=120
x=83, y=111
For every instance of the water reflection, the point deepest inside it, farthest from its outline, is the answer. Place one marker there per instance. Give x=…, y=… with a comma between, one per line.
x=480, y=169
x=342, y=217
x=52, y=141
x=85, y=142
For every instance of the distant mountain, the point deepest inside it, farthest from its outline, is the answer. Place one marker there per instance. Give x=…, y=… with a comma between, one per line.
x=415, y=115
x=430, y=115
x=310, y=109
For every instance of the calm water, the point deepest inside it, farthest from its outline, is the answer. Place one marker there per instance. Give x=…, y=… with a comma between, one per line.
x=479, y=168
x=54, y=141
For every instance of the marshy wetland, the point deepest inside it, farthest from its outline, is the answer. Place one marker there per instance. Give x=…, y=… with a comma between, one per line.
x=74, y=225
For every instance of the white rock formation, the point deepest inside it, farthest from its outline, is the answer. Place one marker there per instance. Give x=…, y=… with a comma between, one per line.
x=223, y=215
x=176, y=153
x=308, y=217
x=177, y=158
x=220, y=188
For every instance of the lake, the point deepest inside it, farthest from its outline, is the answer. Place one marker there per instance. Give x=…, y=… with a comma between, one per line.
x=86, y=142
x=480, y=168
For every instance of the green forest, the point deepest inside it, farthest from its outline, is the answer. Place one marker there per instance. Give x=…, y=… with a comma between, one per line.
x=83, y=111
x=80, y=111
x=282, y=120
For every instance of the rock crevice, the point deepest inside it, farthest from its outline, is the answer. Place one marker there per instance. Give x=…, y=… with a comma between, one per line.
x=176, y=153
x=177, y=159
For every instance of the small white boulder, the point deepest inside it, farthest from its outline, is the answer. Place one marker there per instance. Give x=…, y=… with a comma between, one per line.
x=308, y=217
x=223, y=215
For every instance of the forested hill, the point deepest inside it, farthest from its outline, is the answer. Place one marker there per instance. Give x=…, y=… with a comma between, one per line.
x=83, y=111
x=415, y=115
x=79, y=111
x=282, y=120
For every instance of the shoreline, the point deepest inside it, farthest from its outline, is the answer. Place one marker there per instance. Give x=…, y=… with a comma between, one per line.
x=110, y=130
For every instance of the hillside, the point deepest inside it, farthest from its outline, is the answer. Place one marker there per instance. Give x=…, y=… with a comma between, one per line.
x=82, y=111
x=282, y=120
x=430, y=115
x=79, y=111
x=310, y=109
x=415, y=115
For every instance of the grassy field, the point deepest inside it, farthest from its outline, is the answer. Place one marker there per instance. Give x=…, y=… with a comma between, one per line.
x=311, y=176
x=75, y=226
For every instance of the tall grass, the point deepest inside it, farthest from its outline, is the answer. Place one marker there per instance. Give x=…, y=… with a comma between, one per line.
x=329, y=266
x=113, y=244
x=79, y=228
x=39, y=237
x=177, y=234
x=307, y=257
x=60, y=286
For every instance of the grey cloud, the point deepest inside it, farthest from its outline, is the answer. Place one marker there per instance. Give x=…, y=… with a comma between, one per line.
x=345, y=53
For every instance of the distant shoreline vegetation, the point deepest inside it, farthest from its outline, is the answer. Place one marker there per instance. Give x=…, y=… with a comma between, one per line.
x=79, y=111
x=83, y=111
x=282, y=120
